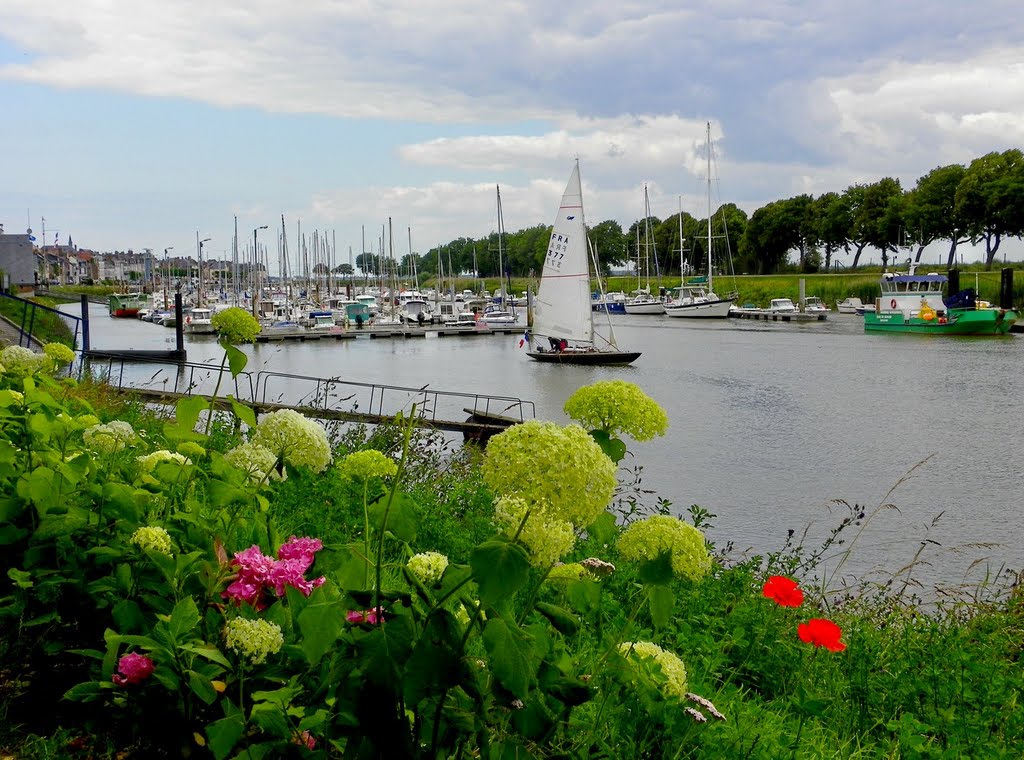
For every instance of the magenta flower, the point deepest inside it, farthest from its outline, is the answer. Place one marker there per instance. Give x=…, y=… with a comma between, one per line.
x=133, y=669
x=372, y=616
x=259, y=575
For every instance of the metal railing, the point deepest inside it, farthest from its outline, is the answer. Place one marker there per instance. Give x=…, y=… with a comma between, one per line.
x=27, y=322
x=372, y=400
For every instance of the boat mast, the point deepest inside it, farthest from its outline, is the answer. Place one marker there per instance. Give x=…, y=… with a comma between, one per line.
x=710, y=284
x=501, y=264
x=682, y=247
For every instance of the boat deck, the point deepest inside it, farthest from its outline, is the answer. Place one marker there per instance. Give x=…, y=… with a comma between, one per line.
x=777, y=316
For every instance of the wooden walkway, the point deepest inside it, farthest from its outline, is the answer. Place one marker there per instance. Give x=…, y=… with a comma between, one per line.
x=476, y=416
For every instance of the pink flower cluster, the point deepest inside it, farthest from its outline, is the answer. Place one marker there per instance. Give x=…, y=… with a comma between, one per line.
x=259, y=575
x=371, y=616
x=133, y=669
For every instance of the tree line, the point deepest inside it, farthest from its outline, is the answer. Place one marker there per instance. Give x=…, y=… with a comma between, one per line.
x=981, y=203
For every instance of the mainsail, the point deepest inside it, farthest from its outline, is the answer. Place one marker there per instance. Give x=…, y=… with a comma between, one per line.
x=562, y=308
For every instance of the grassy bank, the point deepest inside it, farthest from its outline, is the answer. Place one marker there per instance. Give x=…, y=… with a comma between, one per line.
x=760, y=289
x=45, y=326
x=373, y=592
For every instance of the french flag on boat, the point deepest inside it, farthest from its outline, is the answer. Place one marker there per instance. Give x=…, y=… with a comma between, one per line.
x=525, y=339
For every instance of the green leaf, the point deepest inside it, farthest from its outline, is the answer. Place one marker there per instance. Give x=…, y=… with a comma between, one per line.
x=207, y=652
x=604, y=529
x=401, y=517
x=271, y=719
x=320, y=623
x=89, y=691
x=123, y=501
x=184, y=617
x=202, y=687
x=10, y=508
x=613, y=448
x=500, y=568
x=223, y=494
x=224, y=734
x=243, y=412
x=658, y=571
x=188, y=409
x=434, y=665
x=661, y=601
x=561, y=619
x=509, y=652
x=21, y=578
x=236, y=360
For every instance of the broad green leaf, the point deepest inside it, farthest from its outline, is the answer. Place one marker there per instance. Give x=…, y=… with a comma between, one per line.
x=613, y=448
x=271, y=718
x=184, y=617
x=401, y=517
x=222, y=494
x=128, y=616
x=500, y=568
x=604, y=528
x=321, y=623
x=10, y=508
x=123, y=501
x=243, y=412
x=201, y=687
x=60, y=525
x=21, y=578
x=236, y=359
x=88, y=691
x=207, y=652
x=435, y=662
x=658, y=571
x=560, y=618
x=188, y=409
x=661, y=601
x=224, y=734
x=509, y=652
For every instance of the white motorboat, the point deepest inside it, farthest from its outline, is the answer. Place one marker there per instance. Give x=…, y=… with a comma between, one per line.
x=198, y=321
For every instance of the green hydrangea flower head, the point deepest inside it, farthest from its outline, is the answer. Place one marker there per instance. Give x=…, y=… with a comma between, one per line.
x=148, y=462
x=616, y=406
x=191, y=449
x=153, y=538
x=300, y=441
x=60, y=353
x=235, y=325
x=108, y=438
x=370, y=463
x=572, y=571
x=254, y=639
x=257, y=461
x=560, y=468
x=428, y=567
x=547, y=538
x=22, y=362
x=673, y=673
x=646, y=539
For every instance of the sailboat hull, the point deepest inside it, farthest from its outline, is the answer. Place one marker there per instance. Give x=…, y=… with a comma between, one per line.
x=585, y=357
x=706, y=310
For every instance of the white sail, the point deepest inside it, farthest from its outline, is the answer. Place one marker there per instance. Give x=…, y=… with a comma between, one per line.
x=562, y=308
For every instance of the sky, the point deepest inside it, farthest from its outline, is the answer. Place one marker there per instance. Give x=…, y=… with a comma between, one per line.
x=153, y=123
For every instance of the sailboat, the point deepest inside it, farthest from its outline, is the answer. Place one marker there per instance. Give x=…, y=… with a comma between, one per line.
x=643, y=302
x=563, y=321
x=691, y=298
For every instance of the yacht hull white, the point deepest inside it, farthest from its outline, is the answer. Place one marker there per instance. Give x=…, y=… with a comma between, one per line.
x=707, y=310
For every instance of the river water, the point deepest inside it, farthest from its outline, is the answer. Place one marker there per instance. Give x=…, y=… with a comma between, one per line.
x=771, y=424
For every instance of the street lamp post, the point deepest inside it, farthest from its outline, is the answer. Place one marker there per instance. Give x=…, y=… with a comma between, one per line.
x=199, y=292
x=256, y=270
x=166, y=273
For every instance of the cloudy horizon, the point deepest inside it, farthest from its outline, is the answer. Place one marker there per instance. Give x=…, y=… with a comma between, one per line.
x=139, y=125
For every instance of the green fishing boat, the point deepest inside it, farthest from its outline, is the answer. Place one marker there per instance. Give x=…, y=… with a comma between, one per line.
x=913, y=303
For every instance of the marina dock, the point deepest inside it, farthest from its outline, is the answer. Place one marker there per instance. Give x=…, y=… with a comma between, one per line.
x=373, y=333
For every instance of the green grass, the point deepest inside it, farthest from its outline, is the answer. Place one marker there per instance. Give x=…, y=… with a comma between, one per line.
x=46, y=327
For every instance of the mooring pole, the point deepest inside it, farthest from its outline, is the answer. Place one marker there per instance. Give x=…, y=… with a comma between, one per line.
x=85, y=324
x=179, y=325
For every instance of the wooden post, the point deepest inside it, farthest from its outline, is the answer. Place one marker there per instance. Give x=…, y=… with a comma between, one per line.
x=85, y=323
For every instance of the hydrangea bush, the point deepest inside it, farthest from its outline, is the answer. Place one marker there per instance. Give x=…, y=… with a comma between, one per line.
x=155, y=573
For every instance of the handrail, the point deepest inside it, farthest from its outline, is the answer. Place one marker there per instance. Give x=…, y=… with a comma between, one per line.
x=325, y=394
x=29, y=314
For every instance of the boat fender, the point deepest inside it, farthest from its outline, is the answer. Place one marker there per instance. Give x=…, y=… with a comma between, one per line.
x=942, y=320
x=892, y=303
x=188, y=320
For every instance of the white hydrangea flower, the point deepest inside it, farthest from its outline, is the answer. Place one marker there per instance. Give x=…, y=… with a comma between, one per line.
x=257, y=461
x=428, y=567
x=254, y=639
x=302, y=442
x=108, y=438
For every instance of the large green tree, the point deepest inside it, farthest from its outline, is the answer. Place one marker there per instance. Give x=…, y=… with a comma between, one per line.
x=929, y=210
x=831, y=221
x=990, y=199
x=877, y=218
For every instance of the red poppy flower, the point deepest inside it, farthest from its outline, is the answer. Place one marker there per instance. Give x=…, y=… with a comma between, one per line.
x=821, y=633
x=784, y=591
